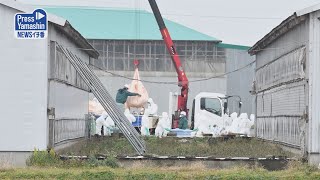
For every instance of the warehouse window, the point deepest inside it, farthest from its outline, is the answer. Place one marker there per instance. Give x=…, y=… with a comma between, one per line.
x=116, y=55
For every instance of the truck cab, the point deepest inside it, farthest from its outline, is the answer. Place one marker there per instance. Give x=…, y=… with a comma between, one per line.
x=208, y=106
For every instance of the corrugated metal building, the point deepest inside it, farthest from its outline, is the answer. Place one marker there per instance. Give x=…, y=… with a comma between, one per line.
x=240, y=68
x=286, y=83
x=120, y=36
x=36, y=78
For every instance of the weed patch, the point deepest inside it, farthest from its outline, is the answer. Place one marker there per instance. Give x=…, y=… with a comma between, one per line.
x=109, y=162
x=43, y=158
x=293, y=172
x=169, y=146
x=51, y=159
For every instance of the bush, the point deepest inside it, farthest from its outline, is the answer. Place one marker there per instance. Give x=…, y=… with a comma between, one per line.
x=49, y=158
x=43, y=158
x=301, y=167
x=92, y=161
x=109, y=162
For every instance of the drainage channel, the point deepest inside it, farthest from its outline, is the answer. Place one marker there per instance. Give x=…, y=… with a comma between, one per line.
x=271, y=163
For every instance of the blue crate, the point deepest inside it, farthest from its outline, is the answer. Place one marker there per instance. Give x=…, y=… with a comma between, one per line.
x=182, y=132
x=138, y=121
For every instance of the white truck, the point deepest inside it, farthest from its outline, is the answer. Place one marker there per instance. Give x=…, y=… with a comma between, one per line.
x=206, y=107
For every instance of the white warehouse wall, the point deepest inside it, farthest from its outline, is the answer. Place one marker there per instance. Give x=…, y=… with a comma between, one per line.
x=23, y=75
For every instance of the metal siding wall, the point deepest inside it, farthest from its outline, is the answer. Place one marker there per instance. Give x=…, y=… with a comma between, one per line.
x=294, y=103
x=69, y=102
x=240, y=82
x=285, y=100
x=68, y=93
x=71, y=105
x=68, y=129
x=288, y=42
x=282, y=129
x=314, y=90
x=62, y=70
x=23, y=75
x=280, y=78
x=285, y=105
x=287, y=68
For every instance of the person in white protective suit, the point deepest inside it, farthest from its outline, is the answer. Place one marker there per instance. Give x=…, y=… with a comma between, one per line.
x=101, y=121
x=166, y=118
x=162, y=125
x=129, y=116
x=244, y=125
x=109, y=125
x=145, y=123
x=205, y=127
x=252, y=117
x=234, y=128
x=152, y=107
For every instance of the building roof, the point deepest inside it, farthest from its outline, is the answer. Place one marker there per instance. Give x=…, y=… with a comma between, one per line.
x=62, y=24
x=233, y=46
x=286, y=25
x=123, y=24
x=308, y=10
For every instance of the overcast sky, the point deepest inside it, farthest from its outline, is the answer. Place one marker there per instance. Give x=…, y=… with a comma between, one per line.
x=241, y=22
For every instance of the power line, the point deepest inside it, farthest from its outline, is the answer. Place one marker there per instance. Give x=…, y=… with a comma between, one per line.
x=204, y=79
x=162, y=82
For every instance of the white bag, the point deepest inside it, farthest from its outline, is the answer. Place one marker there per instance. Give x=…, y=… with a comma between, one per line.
x=136, y=86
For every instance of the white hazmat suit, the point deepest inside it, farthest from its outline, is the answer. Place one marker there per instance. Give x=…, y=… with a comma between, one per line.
x=101, y=121
x=105, y=121
x=145, y=123
x=164, y=123
x=129, y=116
x=152, y=107
x=108, y=126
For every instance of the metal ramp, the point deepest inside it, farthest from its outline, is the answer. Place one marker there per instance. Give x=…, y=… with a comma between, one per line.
x=100, y=92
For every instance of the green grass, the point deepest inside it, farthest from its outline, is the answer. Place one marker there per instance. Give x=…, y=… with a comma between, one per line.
x=170, y=146
x=51, y=159
x=47, y=165
x=295, y=171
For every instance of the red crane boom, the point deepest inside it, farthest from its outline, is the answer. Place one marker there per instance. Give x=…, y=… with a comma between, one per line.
x=182, y=78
